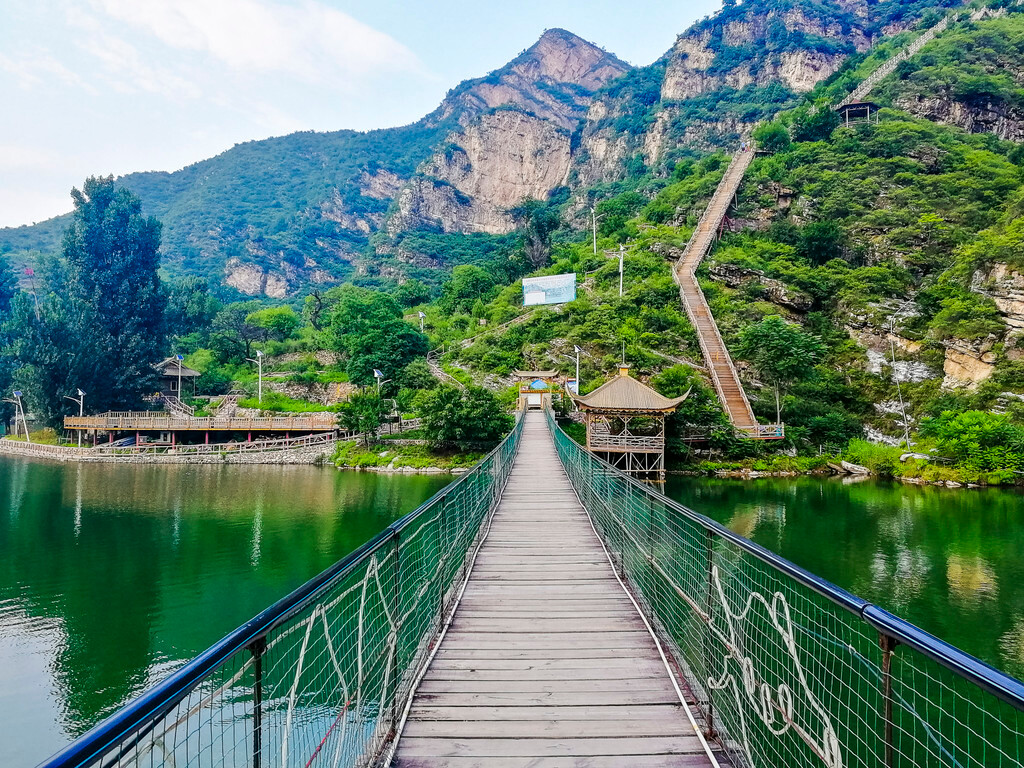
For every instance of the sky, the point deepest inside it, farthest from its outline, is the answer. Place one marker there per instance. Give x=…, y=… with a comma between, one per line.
x=91, y=87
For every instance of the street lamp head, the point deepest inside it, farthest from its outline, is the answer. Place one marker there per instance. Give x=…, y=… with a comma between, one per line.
x=17, y=393
x=81, y=393
x=259, y=353
x=179, y=358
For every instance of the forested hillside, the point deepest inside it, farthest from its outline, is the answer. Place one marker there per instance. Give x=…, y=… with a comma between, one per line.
x=564, y=120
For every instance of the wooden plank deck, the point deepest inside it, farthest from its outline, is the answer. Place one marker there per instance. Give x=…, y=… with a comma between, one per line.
x=546, y=662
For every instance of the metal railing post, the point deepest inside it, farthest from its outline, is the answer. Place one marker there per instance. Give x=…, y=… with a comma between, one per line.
x=397, y=629
x=709, y=545
x=887, y=644
x=256, y=649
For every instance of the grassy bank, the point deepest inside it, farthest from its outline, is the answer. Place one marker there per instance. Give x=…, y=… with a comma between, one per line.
x=355, y=455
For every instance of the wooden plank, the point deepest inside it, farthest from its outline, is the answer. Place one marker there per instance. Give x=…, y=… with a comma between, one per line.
x=550, y=729
x=597, y=761
x=563, y=699
x=527, y=666
x=652, y=712
x=550, y=674
x=583, y=747
x=471, y=684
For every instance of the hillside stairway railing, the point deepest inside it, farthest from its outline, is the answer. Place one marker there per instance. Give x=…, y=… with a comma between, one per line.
x=321, y=677
x=716, y=355
x=788, y=669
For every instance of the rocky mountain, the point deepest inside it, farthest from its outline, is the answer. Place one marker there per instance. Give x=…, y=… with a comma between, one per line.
x=274, y=217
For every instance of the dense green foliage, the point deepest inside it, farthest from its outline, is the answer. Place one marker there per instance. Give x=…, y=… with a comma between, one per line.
x=456, y=419
x=100, y=327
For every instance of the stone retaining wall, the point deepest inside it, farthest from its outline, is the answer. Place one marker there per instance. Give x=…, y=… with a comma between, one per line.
x=309, y=454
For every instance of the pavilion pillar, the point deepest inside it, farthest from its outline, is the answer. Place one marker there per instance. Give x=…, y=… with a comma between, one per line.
x=248, y=439
x=172, y=439
x=137, y=446
x=110, y=436
x=207, y=437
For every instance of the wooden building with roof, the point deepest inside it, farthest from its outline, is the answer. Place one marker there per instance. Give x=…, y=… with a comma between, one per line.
x=172, y=372
x=625, y=422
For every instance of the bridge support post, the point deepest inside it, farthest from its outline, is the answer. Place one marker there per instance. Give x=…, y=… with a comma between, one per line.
x=256, y=649
x=887, y=644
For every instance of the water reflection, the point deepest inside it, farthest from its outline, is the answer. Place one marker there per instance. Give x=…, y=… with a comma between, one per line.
x=112, y=575
x=950, y=561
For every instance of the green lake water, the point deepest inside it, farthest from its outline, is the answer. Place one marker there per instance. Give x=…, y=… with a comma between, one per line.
x=111, y=576
x=948, y=560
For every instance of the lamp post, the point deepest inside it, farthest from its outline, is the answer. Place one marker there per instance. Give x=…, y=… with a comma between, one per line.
x=379, y=376
x=179, y=358
x=259, y=375
x=81, y=407
x=19, y=412
x=422, y=317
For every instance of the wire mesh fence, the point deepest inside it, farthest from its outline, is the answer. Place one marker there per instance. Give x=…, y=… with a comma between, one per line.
x=320, y=678
x=789, y=670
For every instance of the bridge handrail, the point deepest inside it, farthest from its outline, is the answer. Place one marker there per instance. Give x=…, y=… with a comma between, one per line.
x=838, y=657
x=394, y=590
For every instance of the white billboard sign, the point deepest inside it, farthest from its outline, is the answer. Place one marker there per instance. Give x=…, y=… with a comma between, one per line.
x=551, y=289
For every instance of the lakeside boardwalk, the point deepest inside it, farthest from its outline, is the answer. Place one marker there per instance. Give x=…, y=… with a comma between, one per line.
x=547, y=662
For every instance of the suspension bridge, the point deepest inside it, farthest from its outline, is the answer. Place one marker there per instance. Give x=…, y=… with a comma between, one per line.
x=547, y=610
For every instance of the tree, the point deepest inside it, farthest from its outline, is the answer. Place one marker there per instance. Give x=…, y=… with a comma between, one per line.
x=470, y=419
x=278, y=323
x=366, y=327
x=815, y=124
x=772, y=137
x=412, y=293
x=467, y=284
x=190, y=307
x=538, y=221
x=363, y=413
x=233, y=334
x=781, y=352
x=101, y=326
x=821, y=241
x=8, y=287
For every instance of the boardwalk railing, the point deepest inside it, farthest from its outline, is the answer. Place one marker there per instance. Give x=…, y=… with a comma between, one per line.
x=321, y=677
x=788, y=669
x=144, y=421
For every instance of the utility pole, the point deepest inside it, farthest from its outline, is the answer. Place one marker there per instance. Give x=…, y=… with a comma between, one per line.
x=577, y=368
x=594, y=219
x=895, y=373
x=622, y=253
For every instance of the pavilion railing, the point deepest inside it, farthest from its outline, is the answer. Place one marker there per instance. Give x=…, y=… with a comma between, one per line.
x=321, y=677
x=788, y=669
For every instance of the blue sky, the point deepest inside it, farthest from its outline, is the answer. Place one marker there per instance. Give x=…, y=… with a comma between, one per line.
x=115, y=86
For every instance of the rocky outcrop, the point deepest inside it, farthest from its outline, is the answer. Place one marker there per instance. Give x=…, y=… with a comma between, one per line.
x=254, y=280
x=967, y=363
x=1005, y=286
x=506, y=157
x=997, y=118
x=772, y=290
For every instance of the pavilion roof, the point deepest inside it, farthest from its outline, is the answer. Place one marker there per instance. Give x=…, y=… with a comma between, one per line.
x=624, y=394
x=535, y=374
x=169, y=367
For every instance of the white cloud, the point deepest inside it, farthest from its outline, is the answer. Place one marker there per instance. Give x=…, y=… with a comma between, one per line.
x=306, y=38
x=33, y=68
x=15, y=156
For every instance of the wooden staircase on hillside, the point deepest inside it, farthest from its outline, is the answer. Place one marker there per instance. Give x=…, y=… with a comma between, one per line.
x=716, y=356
